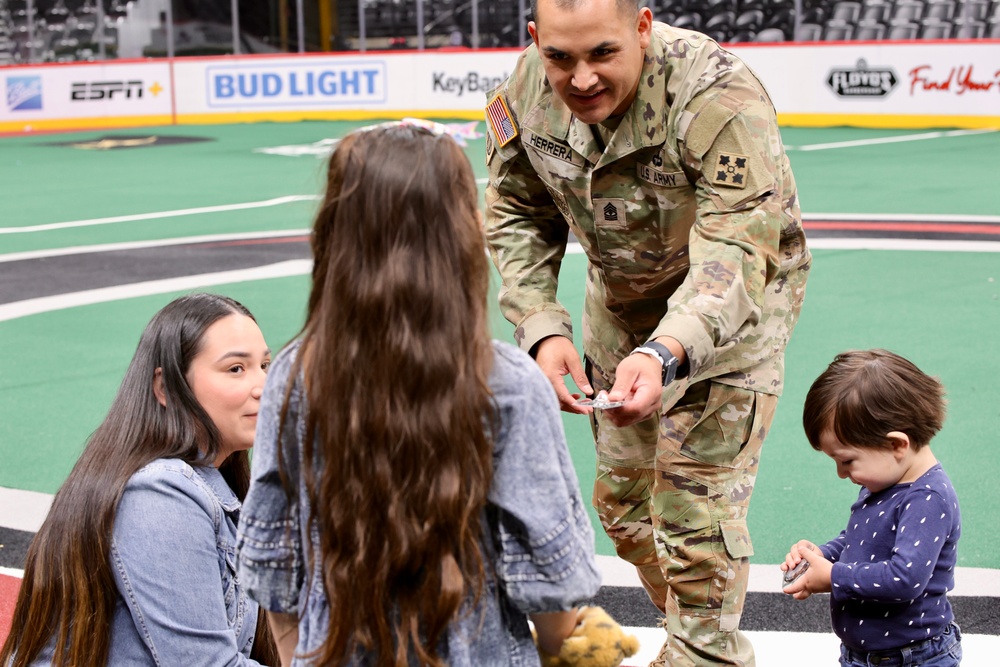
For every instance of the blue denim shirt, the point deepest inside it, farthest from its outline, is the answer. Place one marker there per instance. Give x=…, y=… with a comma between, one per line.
x=540, y=546
x=173, y=555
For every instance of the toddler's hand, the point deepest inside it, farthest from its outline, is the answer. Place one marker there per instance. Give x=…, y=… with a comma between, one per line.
x=816, y=579
x=794, y=555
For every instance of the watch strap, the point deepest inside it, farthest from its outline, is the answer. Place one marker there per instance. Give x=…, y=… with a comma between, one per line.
x=668, y=361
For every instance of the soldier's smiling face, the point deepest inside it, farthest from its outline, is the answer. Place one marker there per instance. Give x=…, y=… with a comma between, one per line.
x=592, y=52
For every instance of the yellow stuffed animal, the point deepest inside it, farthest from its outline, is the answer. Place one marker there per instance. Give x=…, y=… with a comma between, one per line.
x=597, y=641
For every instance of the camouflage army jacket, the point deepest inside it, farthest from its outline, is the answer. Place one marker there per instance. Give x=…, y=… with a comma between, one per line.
x=689, y=216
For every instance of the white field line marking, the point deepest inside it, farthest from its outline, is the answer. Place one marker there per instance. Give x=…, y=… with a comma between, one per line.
x=771, y=648
x=877, y=244
x=929, y=245
x=210, y=238
x=794, y=649
x=903, y=217
x=139, y=245
x=888, y=140
x=278, y=201
x=925, y=245
x=24, y=510
x=11, y=311
x=765, y=578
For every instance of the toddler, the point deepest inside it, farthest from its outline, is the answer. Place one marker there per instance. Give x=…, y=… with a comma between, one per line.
x=874, y=413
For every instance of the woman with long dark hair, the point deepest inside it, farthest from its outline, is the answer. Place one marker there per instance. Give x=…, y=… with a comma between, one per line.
x=412, y=498
x=135, y=562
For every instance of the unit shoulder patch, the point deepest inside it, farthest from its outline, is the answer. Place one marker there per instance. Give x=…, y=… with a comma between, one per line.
x=501, y=122
x=731, y=170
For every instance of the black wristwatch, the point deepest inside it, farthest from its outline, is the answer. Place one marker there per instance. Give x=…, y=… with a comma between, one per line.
x=661, y=353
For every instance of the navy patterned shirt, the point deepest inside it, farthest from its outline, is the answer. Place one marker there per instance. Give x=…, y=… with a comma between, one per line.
x=895, y=563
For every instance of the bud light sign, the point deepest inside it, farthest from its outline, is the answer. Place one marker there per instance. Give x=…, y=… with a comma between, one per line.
x=297, y=84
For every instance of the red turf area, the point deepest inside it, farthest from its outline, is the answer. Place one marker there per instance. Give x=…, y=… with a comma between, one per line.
x=8, y=596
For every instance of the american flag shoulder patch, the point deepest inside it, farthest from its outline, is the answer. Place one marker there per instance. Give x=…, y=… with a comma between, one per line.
x=501, y=121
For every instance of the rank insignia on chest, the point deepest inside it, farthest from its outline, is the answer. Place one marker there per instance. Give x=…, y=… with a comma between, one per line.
x=731, y=170
x=501, y=122
x=610, y=212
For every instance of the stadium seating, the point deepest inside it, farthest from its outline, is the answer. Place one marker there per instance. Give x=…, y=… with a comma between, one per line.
x=689, y=20
x=848, y=12
x=809, y=32
x=969, y=29
x=903, y=31
x=783, y=19
x=60, y=30
x=720, y=26
x=743, y=35
x=940, y=9
x=934, y=29
x=838, y=30
x=869, y=31
x=875, y=11
x=751, y=19
x=907, y=11
x=57, y=30
x=770, y=35
x=976, y=10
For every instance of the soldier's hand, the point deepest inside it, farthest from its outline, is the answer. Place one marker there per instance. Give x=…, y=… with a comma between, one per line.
x=557, y=357
x=638, y=382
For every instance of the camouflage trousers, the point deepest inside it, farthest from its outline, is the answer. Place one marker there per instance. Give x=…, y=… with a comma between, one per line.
x=672, y=492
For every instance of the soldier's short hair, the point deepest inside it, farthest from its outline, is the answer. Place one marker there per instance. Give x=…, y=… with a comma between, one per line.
x=863, y=395
x=628, y=7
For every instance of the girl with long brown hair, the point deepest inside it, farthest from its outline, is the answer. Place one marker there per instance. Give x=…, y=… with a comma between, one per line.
x=135, y=562
x=412, y=498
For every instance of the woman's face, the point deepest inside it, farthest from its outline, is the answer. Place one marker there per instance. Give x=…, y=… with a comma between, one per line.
x=227, y=378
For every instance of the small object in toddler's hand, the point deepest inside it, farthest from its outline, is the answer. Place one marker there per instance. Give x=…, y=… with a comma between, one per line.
x=790, y=576
x=599, y=402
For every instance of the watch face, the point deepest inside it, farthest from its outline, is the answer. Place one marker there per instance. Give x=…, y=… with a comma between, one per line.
x=668, y=360
x=669, y=370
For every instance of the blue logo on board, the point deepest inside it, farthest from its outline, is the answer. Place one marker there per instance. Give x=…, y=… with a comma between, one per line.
x=295, y=84
x=24, y=93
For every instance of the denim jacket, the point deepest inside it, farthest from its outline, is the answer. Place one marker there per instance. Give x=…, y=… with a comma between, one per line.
x=539, y=546
x=173, y=556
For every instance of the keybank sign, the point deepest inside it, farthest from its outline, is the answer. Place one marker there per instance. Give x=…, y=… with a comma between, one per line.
x=296, y=84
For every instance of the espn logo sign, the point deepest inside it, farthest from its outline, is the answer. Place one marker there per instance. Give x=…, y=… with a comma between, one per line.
x=105, y=90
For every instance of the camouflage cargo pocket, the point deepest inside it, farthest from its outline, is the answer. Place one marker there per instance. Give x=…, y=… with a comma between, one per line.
x=724, y=427
x=736, y=537
x=686, y=545
x=621, y=499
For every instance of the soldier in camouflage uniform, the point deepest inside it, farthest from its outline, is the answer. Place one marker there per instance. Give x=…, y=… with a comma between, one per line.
x=660, y=151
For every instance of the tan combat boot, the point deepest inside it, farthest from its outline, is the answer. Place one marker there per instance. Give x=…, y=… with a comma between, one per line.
x=661, y=657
